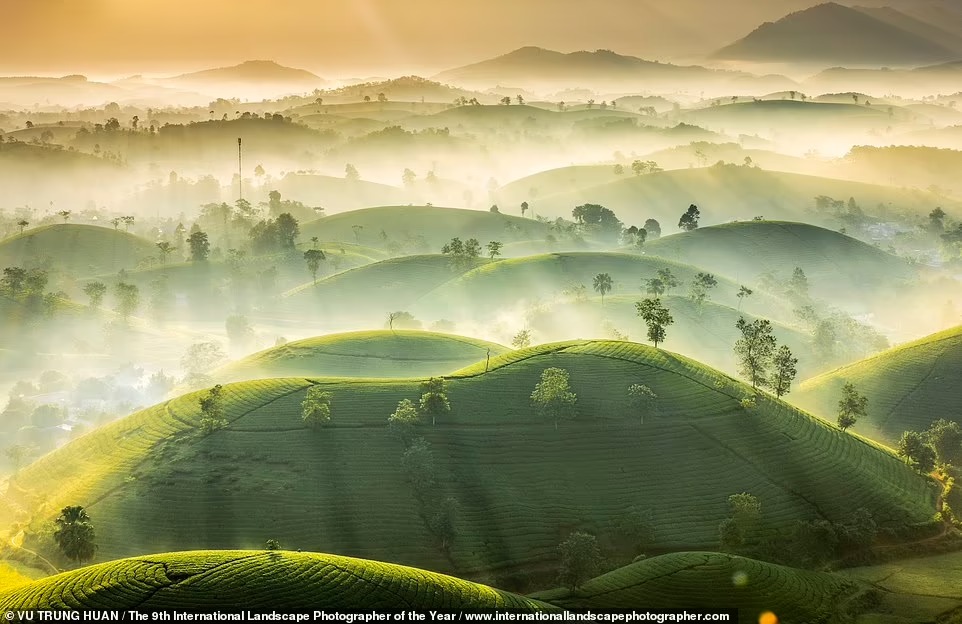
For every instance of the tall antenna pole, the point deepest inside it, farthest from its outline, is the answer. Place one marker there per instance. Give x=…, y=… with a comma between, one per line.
x=240, y=172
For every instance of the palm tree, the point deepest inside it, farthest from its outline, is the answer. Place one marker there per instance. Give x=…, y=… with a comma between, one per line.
x=75, y=534
x=603, y=285
x=165, y=250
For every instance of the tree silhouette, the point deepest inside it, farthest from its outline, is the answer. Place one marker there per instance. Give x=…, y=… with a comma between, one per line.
x=75, y=534
x=602, y=285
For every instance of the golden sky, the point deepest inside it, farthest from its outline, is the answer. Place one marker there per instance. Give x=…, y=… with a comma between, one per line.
x=338, y=37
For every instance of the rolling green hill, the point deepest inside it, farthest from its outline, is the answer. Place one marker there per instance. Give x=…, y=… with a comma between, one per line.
x=707, y=333
x=369, y=293
x=505, y=284
x=267, y=580
x=907, y=387
x=834, y=264
x=75, y=249
x=153, y=480
x=723, y=193
x=337, y=194
x=385, y=353
x=436, y=225
x=715, y=580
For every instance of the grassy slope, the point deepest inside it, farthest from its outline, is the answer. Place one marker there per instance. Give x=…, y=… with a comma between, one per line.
x=265, y=580
x=714, y=580
x=788, y=114
x=506, y=283
x=907, y=387
x=151, y=484
x=401, y=353
x=336, y=194
x=748, y=249
x=437, y=225
x=371, y=292
x=722, y=193
x=75, y=249
x=707, y=333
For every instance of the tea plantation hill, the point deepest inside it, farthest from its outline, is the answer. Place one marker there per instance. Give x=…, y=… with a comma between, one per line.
x=152, y=481
x=502, y=285
x=436, y=225
x=723, y=193
x=257, y=580
x=705, y=331
x=381, y=353
x=705, y=580
x=75, y=249
x=837, y=266
x=337, y=194
x=908, y=386
x=367, y=294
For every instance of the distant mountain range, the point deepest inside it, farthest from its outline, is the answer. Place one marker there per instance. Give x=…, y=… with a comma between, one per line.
x=598, y=69
x=253, y=72
x=834, y=34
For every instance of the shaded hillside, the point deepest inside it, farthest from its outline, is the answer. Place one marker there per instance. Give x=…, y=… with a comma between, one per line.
x=384, y=353
x=519, y=482
x=835, y=34
x=908, y=387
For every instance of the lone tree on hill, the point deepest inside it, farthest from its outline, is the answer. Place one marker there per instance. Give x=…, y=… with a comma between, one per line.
x=689, y=220
x=656, y=317
x=654, y=286
x=945, y=436
x=494, y=249
x=524, y=208
x=65, y=215
x=316, y=407
x=434, y=399
x=653, y=228
x=755, y=350
x=404, y=419
x=698, y=291
x=313, y=257
x=668, y=279
x=22, y=223
x=128, y=299
x=553, y=396
x=783, y=371
x=641, y=401
x=581, y=559
x=743, y=292
x=851, y=407
x=75, y=534
x=212, y=410
x=95, y=291
x=913, y=447
x=602, y=285
x=522, y=339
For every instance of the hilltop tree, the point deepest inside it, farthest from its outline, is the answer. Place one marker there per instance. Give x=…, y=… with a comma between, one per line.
x=689, y=220
x=668, y=280
x=494, y=249
x=656, y=317
x=351, y=173
x=552, y=396
x=743, y=292
x=199, y=246
x=408, y=177
x=851, y=406
x=745, y=512
x=783, y=371
x=755, y=350
x=581, y=559
x=598, y=218
x=316, y=407
x=654, y=286
x=165, y=250
x=313, y=257
x=75, y=534
x=128, y=299
x=403, y=320
x=434, y=399
x=698, y=291
x=65, y=215
x=22, y=223
x=212, y=410
x=937, y=221
x=653, y=228
x=524, y=209
x=95, y=291
x=602, y=285
x=641, y=400
x=127, y=220
x=913, y=446
x=522, y=339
